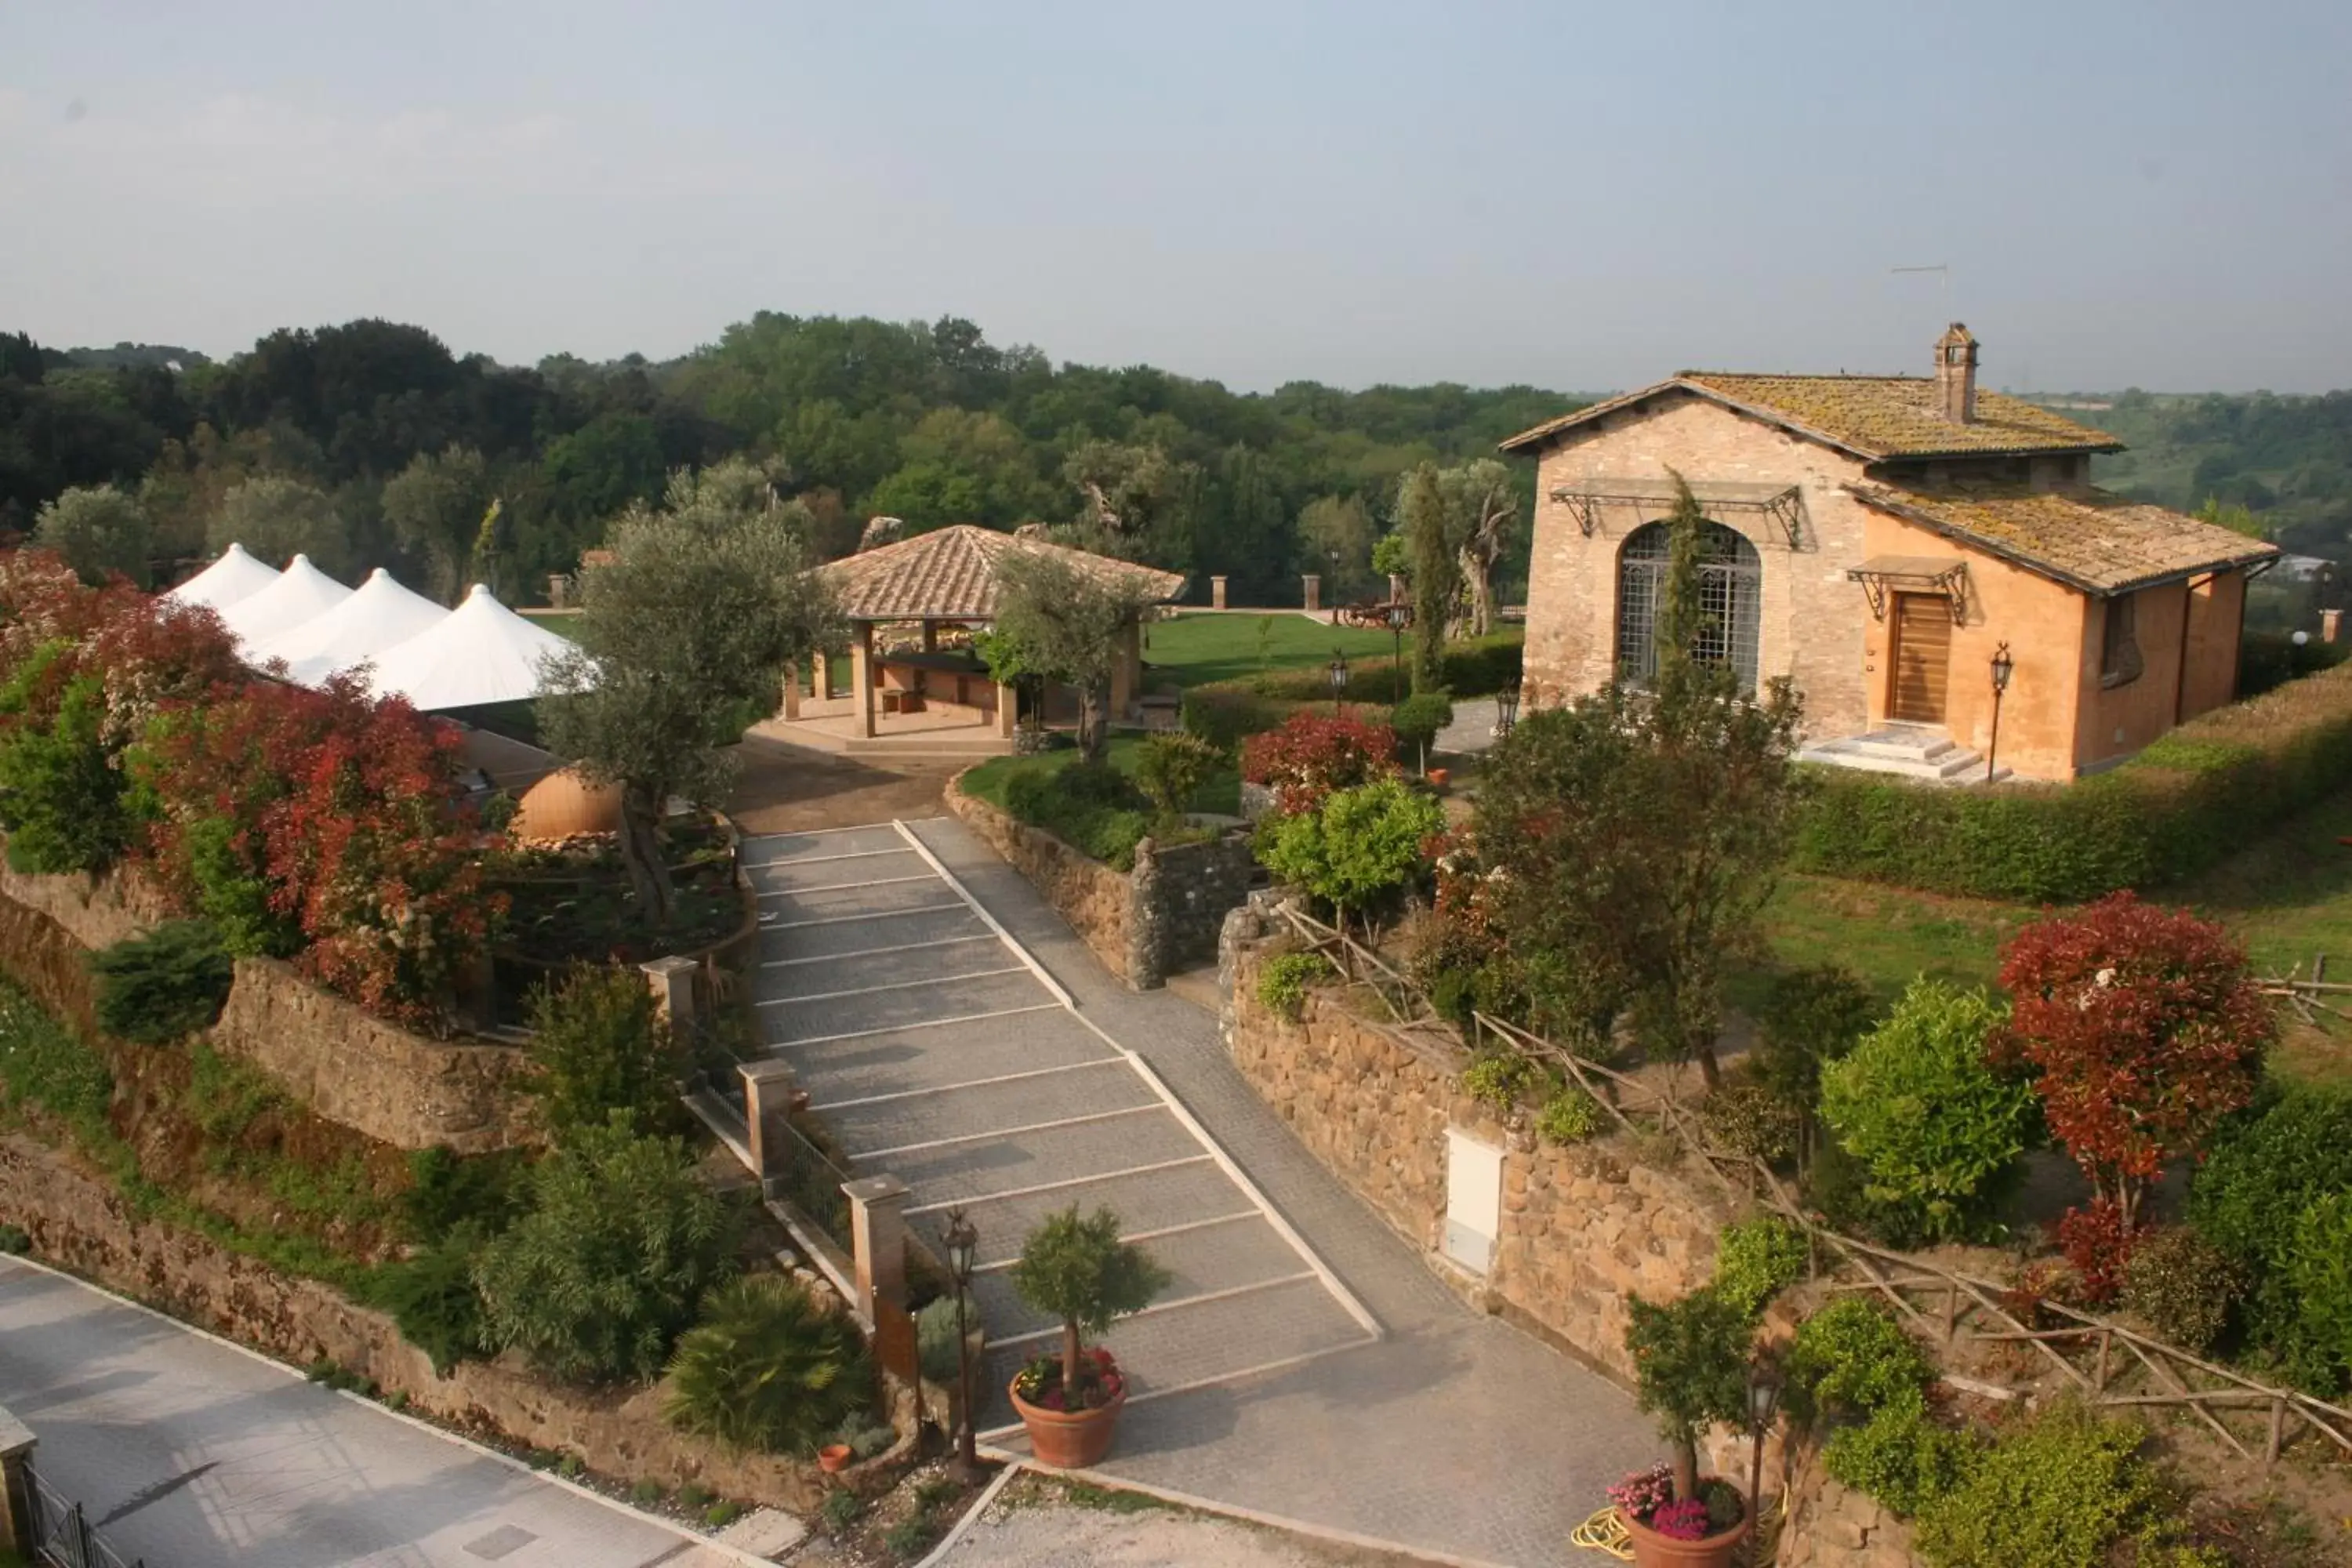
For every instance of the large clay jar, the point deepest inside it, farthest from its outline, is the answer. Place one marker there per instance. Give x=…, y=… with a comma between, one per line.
x=1069, y=1440
x=1652, y=1549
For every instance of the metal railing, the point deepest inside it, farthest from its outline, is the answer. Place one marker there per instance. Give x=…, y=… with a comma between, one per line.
x=62, y=1538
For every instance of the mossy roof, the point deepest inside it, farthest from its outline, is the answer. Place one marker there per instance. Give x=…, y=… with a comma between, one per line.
x=2088, y=539
x=1874, y=417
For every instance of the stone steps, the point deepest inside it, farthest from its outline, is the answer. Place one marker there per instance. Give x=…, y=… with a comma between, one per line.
x=1919, y=754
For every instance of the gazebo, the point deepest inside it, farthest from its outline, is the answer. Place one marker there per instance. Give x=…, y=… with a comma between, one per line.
x=950, y=577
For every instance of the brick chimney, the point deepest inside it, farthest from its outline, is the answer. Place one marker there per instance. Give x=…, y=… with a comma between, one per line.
x=1956, y=375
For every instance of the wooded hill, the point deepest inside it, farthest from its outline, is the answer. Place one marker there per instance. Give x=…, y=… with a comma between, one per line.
x=930, y=423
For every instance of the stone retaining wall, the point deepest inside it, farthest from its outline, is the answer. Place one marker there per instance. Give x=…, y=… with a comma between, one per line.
x=1583, y=1226
x=78, y=1222
x=376, y=1078
x=1837, y=1527
x=1145, y=925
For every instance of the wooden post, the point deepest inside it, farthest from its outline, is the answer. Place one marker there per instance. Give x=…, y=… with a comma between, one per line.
x=877, y=1240
x=2099, y=1371
x=1951, y=1314
x=2277, y=1438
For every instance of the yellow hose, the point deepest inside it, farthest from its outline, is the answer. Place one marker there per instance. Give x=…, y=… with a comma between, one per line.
x=1605, y=1531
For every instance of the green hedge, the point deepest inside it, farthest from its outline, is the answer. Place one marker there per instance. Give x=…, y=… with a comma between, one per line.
x=1227, y=710
x=2176, y=808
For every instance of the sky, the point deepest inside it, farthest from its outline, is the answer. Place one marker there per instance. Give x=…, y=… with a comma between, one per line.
x=1577, y=196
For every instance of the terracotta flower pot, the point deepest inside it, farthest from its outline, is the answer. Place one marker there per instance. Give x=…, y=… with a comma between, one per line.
x=1652, y=1549
x=1070, y=1439
x=1438, y=777
x=834, y=1459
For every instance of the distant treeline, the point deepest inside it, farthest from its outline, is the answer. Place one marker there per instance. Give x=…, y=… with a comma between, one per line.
x=930, y=423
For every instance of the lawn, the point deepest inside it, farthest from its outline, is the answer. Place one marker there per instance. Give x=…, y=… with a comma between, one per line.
x=1222, y=794
x=1192, y=649
x=2287, y=895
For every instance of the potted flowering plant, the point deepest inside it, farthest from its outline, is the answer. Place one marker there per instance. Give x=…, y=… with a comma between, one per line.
x=1075, y=1267
x=1690, y=1365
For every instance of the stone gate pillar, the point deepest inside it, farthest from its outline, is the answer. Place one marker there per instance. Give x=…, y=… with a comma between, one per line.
x=1313, y=584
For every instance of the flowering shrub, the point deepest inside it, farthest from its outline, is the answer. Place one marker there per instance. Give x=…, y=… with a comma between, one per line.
x=1100, y=1383
x=1642, y=1494
x=2143, y=1027
x=1683, y=1521
x=1313, y=754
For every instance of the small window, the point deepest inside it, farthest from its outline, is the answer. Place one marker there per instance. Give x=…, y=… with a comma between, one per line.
x=2119, y=660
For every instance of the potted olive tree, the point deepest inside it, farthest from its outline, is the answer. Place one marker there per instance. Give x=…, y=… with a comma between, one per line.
x=1076, y=1268
x=1690, y=1364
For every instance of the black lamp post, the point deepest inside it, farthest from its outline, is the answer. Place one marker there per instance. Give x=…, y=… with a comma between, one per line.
x=1398, y=614
x=964, y=1246
x=2003, y=667
x=1337, y=670
x=1763, y=1400
x=1507, y=708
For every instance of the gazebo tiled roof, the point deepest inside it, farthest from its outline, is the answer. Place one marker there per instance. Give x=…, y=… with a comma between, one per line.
x=950, y=575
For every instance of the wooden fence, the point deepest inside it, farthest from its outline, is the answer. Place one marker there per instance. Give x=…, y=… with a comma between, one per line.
x=2107, y=1362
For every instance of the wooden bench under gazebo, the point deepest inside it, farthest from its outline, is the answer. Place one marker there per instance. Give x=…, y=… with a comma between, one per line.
x=926, y=696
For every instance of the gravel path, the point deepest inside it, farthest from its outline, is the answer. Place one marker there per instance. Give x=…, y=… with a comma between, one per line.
x=1058, y=1535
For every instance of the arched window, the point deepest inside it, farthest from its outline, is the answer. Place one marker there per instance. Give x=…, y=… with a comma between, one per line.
x=1730, y=577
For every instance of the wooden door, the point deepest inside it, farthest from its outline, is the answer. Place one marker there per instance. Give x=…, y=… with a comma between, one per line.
x=1923, y=658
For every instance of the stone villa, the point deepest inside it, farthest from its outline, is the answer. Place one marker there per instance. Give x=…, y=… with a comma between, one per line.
x=1878, y=539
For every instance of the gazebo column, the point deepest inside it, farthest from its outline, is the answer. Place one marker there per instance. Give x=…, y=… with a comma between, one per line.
x=1008, y=709
x=793, y=688
x=1127, y=670
x=930, y=637
x=824, y=674
x=861, y=679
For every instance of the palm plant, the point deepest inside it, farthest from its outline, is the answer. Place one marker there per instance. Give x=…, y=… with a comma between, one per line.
x=768, y=1368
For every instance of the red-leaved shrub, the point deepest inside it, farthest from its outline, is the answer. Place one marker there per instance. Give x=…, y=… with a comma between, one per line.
x=2098, y=1245
x=2142, y=1027
x=1312, y=754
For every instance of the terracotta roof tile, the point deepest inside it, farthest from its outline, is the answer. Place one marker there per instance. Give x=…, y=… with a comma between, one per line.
x=1873, y=417
x=950, y=573
x=2091, y=539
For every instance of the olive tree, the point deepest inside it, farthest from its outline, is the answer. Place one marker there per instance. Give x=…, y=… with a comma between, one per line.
x=99, y=531
x=277, y=518
x=1067, y=626
x=704, y=600
x=437, y=505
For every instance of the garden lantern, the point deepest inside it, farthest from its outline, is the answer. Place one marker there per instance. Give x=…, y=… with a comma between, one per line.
x=1507, y=708
x=1337, y=670
x=1398, y=614
x=1763, y=1402
x=2003, y=666
x=963, y=1247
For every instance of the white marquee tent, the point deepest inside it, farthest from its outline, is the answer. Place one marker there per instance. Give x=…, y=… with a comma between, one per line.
x=380, y=617
x=300, y=593
x=480, y=652
x=234, y=577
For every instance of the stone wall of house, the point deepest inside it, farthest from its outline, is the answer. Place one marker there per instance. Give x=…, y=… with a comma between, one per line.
x=348, y=1066
x=1813, y=618
x=1144, y=925
x=1583, y=1226
x=80, y=1223
x=345, y=1065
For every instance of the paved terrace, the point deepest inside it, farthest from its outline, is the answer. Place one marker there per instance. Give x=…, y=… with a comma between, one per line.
x=1306, y=1366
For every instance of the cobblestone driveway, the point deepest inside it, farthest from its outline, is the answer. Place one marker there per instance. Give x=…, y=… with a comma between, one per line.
x=937, y=1053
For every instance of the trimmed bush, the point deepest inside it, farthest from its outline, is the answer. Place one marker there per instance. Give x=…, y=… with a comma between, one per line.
x=1750, y=1119
x=1417, y=719
x=2056, y=1491
x=1483, y=666
x=1498, y=1078
x=1354, y=847
x=1853, y=1359
x=767, y=1369
x=171, y=982
x=2176, y=808
x=934, y=1338
x=1918, y=1104
x=1755, y=1260
x=2265, y=1167
x=2183, y=1285
x=1902, y=1458
x=1569, y=1116
x=2320, y=1273
x=432, y=1297
x=1171, y=769
x=1224, y=713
